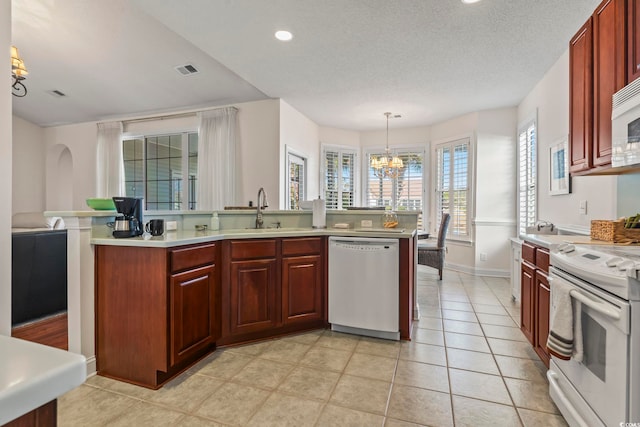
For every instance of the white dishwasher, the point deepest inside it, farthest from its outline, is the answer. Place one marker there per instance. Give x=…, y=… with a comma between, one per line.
x=364, y=286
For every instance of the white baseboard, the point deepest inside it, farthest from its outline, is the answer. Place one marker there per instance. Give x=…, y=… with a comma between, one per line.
x=490, y=272
x=91, y=366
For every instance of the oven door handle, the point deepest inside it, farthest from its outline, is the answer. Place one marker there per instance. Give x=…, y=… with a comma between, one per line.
x=553, y=382
x=597, y=306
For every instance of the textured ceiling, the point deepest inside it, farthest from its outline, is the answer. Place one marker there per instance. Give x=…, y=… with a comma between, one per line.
x=349, y=61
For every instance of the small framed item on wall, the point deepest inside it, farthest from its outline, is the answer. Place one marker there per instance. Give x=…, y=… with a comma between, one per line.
x=559, y=181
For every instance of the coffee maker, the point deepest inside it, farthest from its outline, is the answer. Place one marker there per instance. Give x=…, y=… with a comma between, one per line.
x=129, y=223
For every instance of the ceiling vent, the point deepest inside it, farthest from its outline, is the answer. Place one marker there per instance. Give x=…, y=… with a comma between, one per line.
x=56, y=93
x=187, y=70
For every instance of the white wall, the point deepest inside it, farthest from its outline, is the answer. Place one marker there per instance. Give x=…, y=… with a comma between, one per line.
x=551, y=99
x=339, y=137
x=71, y=156
x=28, y=193
x=258, y=154
x=495, y=196
x=302, y=136
x=70, y=175
x=5, y=172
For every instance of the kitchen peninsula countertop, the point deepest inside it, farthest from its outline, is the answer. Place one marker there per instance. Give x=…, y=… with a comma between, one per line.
x=33, y=375
x=188, y=237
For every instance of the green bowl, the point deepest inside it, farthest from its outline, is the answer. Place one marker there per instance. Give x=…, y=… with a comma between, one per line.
x=101, y=204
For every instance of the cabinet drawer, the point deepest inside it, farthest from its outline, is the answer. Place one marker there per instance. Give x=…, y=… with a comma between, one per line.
x=303, y=246
x=542, y=259
x=529, y=252
x=247, y=249
x=192, y=256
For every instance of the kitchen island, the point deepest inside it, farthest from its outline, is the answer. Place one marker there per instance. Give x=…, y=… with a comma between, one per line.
x=164, y=302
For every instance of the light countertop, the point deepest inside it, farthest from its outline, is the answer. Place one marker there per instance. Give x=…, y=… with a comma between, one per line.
x=549, y=241
x=33, y=374
x=184, y=237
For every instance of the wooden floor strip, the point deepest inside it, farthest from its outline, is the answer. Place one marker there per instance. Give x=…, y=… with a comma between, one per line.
x=52, y=331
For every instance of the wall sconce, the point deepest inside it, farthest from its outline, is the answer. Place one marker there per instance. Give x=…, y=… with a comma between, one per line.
x=18, y=72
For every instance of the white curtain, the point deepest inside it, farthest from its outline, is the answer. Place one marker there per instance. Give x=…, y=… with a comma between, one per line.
x=216, y=158
x=110, y=163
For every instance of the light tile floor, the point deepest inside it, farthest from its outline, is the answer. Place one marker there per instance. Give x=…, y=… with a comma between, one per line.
x=468, y=365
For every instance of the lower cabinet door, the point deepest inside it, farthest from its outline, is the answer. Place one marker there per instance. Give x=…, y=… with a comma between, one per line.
x=527, y=295
x=192, y=317
x=302, y=289
x=543, y=298
x=253, y=296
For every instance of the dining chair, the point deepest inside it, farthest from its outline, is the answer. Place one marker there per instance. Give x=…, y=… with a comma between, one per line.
x=431, y=252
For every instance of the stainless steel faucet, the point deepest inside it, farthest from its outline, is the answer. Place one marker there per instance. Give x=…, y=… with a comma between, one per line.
x=262, y=203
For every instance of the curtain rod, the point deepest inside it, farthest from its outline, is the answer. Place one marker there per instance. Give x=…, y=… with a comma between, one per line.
x=170, y=116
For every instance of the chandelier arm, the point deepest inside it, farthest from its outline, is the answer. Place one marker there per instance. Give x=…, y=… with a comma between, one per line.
x=18, y=89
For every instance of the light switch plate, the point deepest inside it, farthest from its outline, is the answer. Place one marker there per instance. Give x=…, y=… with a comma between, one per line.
x=366, y=223
x=171, y=225
x=583, y=207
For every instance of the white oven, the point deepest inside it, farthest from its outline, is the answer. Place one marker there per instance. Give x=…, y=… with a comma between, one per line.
x=603, y=388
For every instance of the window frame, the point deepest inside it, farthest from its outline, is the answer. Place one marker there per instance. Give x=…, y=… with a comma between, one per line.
x=185, y=179
x=523, y=127
x=452, y=142
x=304, y=161
x=341, y=150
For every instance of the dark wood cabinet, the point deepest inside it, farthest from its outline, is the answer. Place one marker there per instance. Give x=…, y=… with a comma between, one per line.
x=192, y=318
x=597, y=69
x=302, y=280
x=633, y=40
x=43, y=416
x=156, y=310
x=543, y=299
x=535, y=298
x=252, y=296
x=527, y=295
x=272, y=287
x=581, y=98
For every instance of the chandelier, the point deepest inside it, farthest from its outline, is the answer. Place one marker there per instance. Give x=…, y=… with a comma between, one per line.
x=387, y=165
x=18, y=72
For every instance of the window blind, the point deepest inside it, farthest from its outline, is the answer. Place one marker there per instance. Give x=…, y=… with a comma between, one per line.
x=527, y=176
x=452, y=186
x=339, y=178
x=297, y=184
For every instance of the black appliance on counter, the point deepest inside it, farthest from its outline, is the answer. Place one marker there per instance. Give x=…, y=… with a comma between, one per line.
x=130, y=223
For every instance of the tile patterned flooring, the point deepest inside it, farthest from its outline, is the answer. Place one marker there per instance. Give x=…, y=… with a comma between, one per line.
x=468, y=365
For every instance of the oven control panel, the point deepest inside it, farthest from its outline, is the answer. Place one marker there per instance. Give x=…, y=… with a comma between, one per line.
x=613, y=268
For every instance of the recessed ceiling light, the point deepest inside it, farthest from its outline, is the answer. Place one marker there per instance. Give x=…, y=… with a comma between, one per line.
x=284, y=36
x=470, y=1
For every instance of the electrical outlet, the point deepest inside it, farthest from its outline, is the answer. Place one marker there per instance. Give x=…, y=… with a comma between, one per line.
x=483, y=256
x=171, y=225
x=366, y=223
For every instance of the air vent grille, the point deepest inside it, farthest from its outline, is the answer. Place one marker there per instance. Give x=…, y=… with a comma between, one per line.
x=56, y=93
x=187, y=69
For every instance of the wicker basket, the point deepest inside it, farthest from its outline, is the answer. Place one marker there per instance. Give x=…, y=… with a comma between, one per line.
x=614, y=231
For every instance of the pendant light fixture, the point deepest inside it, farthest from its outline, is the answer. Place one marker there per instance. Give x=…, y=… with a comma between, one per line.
x=387, y=165
x=18, y=72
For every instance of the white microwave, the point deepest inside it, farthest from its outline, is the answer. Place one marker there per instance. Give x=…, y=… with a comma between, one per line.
x=625, y=126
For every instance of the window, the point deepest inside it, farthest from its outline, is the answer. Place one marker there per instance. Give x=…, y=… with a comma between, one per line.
x=160, y=168
x=404, y=193
x=527, y=176
x=452, y=186
x=339, y=177
x=296, y=179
